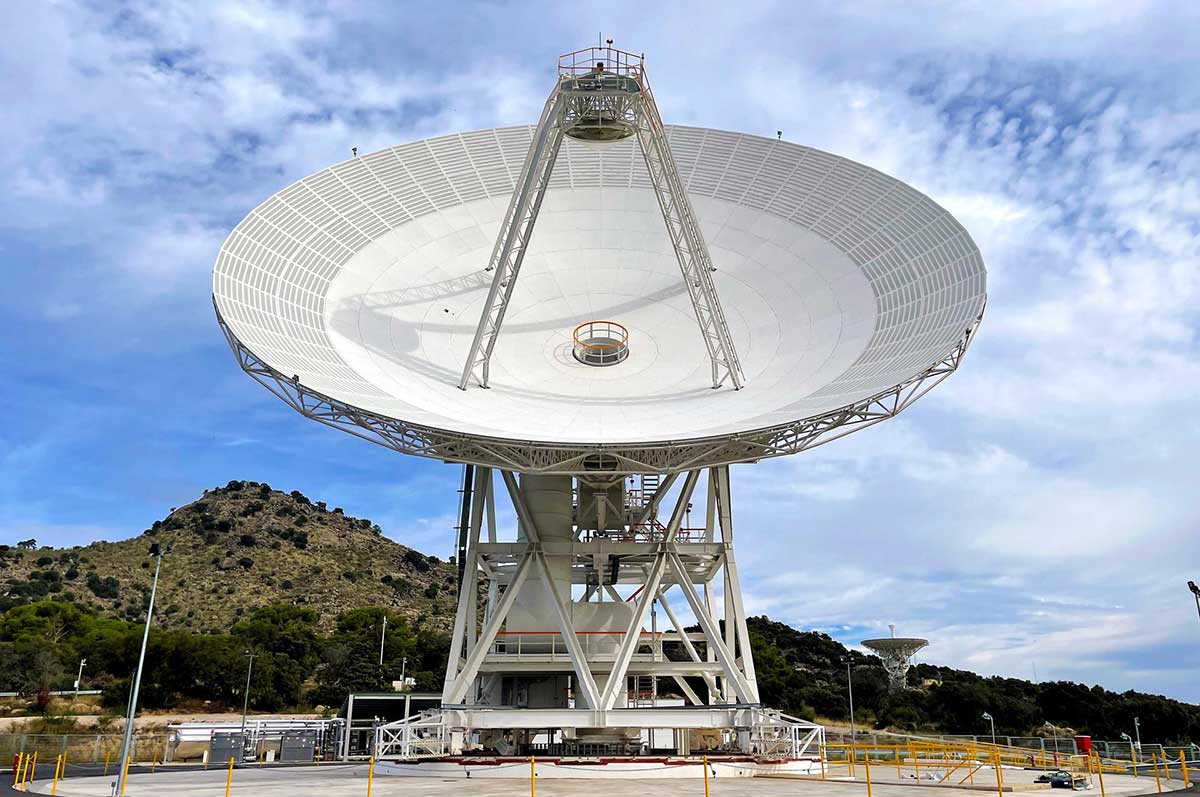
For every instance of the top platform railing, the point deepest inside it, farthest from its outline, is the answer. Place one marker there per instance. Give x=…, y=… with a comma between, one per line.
x=591, y=60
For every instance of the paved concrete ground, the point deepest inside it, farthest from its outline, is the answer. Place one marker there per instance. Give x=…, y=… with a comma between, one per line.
x=351, y=781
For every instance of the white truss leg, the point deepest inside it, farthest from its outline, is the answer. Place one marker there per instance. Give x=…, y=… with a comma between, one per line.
x=735, y=613
x=633, y=635
x=513, y=241
x=739, y=622
x=709, y=681
x=490, y=516
x=629, y=643
x=456, y=686
x=712, y=633
x=690, y=249
x=585, y=681
x=465, y=616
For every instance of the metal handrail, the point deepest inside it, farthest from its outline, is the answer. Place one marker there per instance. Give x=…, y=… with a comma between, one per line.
x=589, y=352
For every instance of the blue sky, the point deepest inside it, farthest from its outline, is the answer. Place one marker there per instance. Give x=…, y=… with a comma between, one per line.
x=1041, y=506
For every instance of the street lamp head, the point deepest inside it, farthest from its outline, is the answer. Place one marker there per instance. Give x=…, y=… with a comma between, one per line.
x=1047, y=725
x=1126, y=737
x=987, y=716
x=155, y=550
x=1195, y=590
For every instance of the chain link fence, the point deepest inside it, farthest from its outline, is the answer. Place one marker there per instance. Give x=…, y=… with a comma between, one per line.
x=83, y=748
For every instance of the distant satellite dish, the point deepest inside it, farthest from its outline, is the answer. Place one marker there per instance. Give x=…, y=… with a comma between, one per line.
x=896, y=654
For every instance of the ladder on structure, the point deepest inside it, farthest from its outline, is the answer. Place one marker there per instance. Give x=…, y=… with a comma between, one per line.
x=645, y=692
x=650, y=482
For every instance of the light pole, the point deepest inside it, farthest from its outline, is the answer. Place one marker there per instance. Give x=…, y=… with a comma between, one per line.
x=79, y=678
x=1053, y=735
x=249, y=654
x=382, y=637
x=850, y=689
x=403, y=666
x=1137, y=731
x=157, y=553
x=1132, y=751
x=988, y=717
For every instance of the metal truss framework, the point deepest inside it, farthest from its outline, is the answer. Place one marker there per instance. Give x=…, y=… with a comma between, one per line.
x=609, y=88
x=656, y=558
x=530, y=456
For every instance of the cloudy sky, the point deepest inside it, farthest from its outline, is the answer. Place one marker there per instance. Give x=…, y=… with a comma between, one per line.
x=1041, y=507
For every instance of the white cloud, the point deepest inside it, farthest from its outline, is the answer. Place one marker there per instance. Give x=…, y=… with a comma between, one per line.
x=1001, y=516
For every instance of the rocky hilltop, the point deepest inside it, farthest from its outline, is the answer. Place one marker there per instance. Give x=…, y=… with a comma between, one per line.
x=232, y=550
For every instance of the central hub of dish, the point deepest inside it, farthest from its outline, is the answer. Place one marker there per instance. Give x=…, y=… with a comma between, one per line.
x=600, y=343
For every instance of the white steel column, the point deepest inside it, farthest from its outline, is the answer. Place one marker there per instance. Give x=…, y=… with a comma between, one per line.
x=735, y=609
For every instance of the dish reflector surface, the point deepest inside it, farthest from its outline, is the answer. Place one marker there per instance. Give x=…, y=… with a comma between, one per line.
x=366, y=282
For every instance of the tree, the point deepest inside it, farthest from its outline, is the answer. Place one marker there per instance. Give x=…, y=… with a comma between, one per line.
x=287, y=646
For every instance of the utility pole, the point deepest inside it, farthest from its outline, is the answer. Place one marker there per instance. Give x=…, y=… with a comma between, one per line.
x=246, y=699
x=157, y=553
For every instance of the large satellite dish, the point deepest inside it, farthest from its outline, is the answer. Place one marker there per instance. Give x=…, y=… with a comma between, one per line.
x=355, y=293
x=565, y=305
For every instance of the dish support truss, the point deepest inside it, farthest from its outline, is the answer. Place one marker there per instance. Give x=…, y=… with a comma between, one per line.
x=896, y=660
x=544, y=637
x=617, y=95
x=663, y=456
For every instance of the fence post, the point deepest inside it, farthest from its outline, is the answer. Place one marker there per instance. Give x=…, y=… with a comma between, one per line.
x=370, y=776
x=107, y=758
x=125, y=773
x=999, y=777
x=17, y=767
x=1157, y=779
x=867, y=766
x=1100, y=773
x=57, y=764
x=229, y=777
x=706, y=775
x=532, y=778
x=1182, y=765
x=820, y=752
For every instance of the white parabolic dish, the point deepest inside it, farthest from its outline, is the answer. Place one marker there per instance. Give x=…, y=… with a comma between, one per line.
x=366, y=282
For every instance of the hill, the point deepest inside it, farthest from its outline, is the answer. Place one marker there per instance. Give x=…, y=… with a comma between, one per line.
x=804, y=672
x=307, y=587
x=235, y=549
